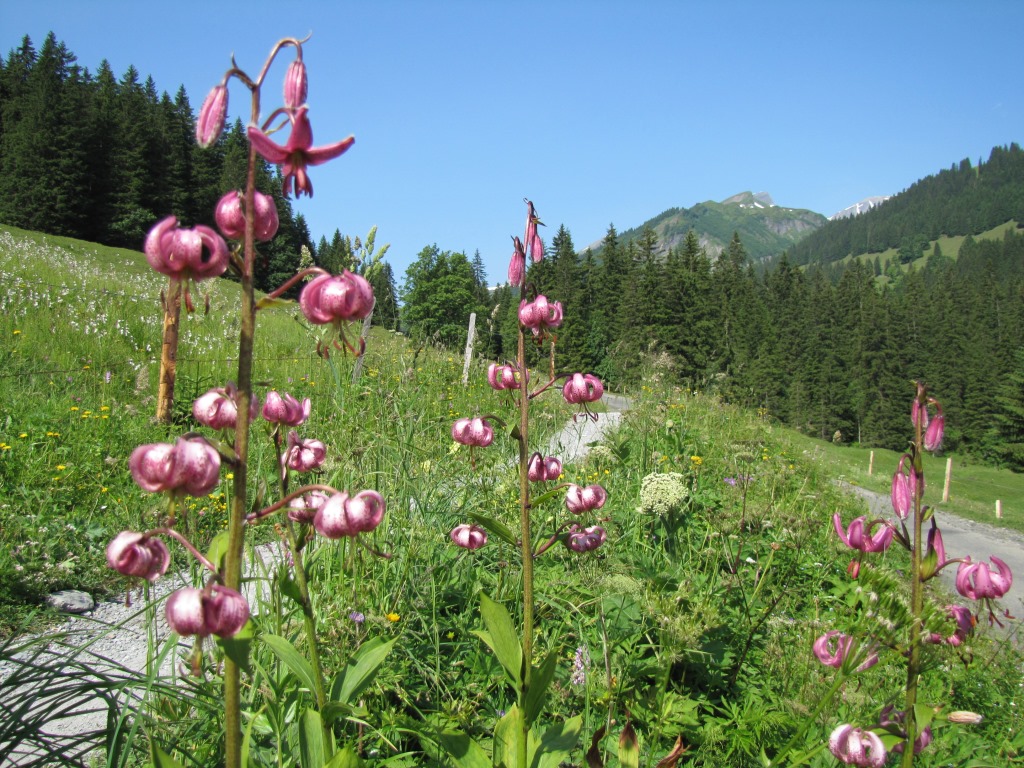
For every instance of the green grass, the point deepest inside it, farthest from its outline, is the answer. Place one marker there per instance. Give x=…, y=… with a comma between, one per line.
x=699, y=623
x=973, y=489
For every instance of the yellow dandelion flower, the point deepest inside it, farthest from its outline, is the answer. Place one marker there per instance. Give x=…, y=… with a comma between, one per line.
x=23, y=434
x=103, y=490
x=696, y=460
x=229, y=476
x=393, y=617
x=86, y=367
x=74, y=408
x=61, y=467
x=16, y=333
x=104, y=407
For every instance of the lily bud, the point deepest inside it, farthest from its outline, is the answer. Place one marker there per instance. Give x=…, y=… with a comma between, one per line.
x=295, y=85
x=212, y=116
x=965, y=718
x=517, y=264
x=933, y=435
x=900, y=495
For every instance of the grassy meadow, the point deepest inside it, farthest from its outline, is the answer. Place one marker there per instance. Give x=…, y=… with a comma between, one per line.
x=694, y=620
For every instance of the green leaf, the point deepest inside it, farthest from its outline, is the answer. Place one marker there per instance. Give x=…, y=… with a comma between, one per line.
x=346, y=758
x=267, y=303
x=160, y=758
x=494, y=527
x=360, y=670
x=501, y=637
x=923, y=716
x=462, y=750
x=505, y=734
x=537, y=693
x=238, y=646
x=557, y=743
x=311, y=739
x=292, y=659
x=247, y=736
x=629, y=749
x=218, y=548
x=291, y=590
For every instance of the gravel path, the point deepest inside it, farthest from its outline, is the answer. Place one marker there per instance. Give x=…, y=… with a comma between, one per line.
x=66, y=711
x=966, y=537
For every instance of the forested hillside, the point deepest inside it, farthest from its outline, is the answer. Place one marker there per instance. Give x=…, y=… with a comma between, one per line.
x=101, y=158
x=962, y=200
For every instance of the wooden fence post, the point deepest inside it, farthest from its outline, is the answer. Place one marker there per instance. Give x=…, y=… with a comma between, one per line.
x=169, y=352
x=357, y=369
x=999, y=509
x=469, y=348
x=871, y=464
x=949, y=475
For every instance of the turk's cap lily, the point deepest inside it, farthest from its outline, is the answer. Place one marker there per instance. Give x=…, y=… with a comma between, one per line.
x=977, y=581
x=836, y=649
x=344, y=515
x=197, y=253
x=302, y=509
x=892, y=720
x=856, y=746
x=468, y=536
x=216, y=610
x=134, y=554
x=297, y=153
x=473, y=431
x=936, y=427
x=230, y=216
x=190, y=465
x=329, y=298
x=585, y=539
x=543, y=468
x=582, y=388
x=218, y=408
x=964, y=620
x=303, y=455
x=502, y=377
x=285, y=409
x=856, y=535
x=540, y=314
x=579, y=500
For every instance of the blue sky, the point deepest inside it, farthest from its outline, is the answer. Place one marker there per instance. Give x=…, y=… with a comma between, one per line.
x=601, y=112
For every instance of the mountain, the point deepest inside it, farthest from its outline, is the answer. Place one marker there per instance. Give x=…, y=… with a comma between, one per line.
x=857, y=209
x=964, y=199
x=765, y=228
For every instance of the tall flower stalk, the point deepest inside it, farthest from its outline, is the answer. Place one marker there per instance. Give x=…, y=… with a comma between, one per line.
x=538, y=320
x=192, y=464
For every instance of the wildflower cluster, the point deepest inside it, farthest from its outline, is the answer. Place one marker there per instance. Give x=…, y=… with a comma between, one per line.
x=974, y=581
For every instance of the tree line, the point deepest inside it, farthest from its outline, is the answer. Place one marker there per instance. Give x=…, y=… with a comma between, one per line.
x=826, y=351
x=101, y=158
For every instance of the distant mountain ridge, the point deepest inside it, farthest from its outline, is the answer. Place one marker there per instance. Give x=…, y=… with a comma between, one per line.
x=765, y=228
x=857, y=209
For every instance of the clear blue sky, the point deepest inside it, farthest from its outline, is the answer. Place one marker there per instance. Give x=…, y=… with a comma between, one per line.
x=601, y=112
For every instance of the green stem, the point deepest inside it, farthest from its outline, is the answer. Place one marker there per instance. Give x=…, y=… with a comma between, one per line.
x=526, y=546
x=916, y=607
x=236, y=521
x=822, y=703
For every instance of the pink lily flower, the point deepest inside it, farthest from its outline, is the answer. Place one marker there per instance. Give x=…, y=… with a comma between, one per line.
x=540, y=315
x=468, y=536
x=278, y=409
x=582, y=388
x=502, y=377
x=586, y=539
x=133, y=554
x=303, y=455
x=298, y=152
x=977, y=581
x=230, y=217
x=215, y=610
x=579, y=500
x=834, y=654
x=302, y=509
x=855, y=536
x=541, y=469
x=475, y=431
x=190, y=465
x=855, y=746
x=345, y=515
x=329, y=298
x=198, y=253
x=218, y=408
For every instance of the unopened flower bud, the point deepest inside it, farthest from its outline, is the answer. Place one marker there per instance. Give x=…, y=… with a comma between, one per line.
x=295, y=85
x=212, y=116
x=933, y=435
x=964, y=717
